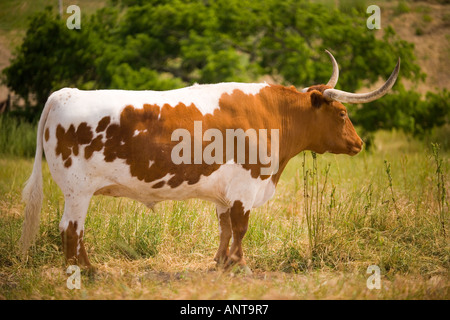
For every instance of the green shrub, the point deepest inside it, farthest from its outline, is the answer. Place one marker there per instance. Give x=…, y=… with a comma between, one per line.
x=427, y=18
x=404, y=110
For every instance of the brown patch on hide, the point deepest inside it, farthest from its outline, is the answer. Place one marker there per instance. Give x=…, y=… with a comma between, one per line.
x=102, y=124
x=73, y=245
x=143, y=135
x=69, y=142
x=47, y=134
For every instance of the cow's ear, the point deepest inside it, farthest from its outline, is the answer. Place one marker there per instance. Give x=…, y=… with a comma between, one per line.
x=317, y=99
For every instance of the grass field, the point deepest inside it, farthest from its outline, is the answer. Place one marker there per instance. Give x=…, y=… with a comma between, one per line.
x=331, y=218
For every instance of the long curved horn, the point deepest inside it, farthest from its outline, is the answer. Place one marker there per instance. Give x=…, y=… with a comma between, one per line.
x=342, y=96
x=334, y=76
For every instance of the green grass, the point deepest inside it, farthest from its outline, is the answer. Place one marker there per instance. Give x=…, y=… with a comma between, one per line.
x=17, y=137
x=296, y=252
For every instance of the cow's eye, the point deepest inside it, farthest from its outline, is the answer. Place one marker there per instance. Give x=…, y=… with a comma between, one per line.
x=342, y=114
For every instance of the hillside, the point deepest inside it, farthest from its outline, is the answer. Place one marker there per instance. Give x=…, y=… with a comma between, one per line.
x=427, y=25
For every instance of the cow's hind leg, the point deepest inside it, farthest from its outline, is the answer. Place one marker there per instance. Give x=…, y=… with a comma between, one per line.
x=223, y=215
x=72, y=229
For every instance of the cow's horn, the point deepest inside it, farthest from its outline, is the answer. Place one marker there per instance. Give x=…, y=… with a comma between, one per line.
x=342, y=96
x=334, y=76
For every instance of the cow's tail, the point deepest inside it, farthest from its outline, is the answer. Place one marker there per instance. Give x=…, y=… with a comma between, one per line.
x=32, y=193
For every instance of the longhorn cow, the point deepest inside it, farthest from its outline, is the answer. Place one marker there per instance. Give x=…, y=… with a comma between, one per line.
x=122, y=143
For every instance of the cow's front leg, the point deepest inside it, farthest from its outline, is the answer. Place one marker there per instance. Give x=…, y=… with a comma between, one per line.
x=239, y=225
x=223, y=215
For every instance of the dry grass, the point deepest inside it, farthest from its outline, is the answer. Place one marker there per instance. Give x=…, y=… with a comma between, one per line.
x=133, y=280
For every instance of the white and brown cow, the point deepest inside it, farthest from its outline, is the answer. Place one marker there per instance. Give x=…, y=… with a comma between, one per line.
x=119, y=143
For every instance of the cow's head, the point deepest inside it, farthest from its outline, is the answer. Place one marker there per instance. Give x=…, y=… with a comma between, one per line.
x=333, y=130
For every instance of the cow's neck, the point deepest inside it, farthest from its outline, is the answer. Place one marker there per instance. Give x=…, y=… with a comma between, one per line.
x=295, y=116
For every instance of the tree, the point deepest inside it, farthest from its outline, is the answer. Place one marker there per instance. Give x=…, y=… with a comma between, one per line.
x=405, y=110
x=50, y=56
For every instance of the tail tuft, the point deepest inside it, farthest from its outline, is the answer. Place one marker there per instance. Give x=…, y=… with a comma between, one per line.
x=32, y=193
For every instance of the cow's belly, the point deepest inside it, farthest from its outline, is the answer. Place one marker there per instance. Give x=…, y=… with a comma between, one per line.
x=229, y=183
